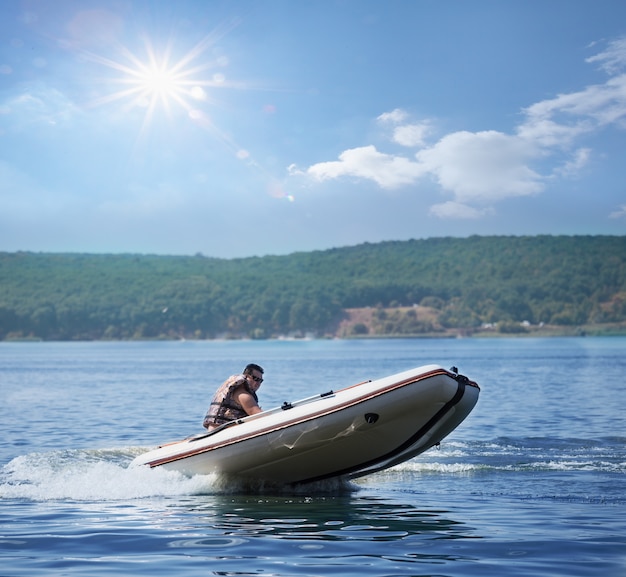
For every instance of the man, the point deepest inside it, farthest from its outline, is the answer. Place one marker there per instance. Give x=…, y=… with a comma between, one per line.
x=236, y=398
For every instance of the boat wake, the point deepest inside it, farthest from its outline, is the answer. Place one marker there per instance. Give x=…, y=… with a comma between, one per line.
x=105, y=475
x=529, y=454
x=532, y=468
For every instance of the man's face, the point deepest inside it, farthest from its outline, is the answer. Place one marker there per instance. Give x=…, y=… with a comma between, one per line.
x=254, y=380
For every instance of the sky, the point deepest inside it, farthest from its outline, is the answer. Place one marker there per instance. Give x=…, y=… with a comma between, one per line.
x=238, y=128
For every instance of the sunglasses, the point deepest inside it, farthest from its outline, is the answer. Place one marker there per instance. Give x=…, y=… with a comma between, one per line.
x=257, y=379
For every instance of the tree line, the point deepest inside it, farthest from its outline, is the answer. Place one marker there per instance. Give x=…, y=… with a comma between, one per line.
x=465, y=282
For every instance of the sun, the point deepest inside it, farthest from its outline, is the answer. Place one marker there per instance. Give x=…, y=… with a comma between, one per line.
x=159, y=83
x=154, y=80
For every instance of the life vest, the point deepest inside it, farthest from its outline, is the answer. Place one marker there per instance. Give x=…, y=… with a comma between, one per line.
x=224, y=408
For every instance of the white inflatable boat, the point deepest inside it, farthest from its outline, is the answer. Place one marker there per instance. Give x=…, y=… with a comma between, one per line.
x=347, y=433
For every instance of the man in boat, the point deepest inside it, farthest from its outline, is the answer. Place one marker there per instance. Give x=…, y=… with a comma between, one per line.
x=236, y=398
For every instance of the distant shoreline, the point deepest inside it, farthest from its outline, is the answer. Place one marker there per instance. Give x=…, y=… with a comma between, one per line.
x=596, y=330
x=429, y=288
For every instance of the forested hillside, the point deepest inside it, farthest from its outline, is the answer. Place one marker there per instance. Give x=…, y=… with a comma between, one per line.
x=409, y=288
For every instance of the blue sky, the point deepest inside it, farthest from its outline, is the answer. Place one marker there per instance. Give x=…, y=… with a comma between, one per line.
x=240, y=128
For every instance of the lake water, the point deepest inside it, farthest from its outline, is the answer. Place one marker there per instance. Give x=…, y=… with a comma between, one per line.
x=533, y=483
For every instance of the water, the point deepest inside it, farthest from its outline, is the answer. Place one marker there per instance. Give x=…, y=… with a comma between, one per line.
x=532, y=483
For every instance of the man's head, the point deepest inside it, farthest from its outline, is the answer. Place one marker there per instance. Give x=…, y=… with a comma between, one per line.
x=254, y=375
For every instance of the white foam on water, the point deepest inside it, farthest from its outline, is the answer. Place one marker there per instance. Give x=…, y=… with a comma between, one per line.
x=106, y=475
x=97, y=475
x=434, y=467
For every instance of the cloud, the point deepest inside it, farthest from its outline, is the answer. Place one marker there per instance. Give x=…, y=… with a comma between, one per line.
x=410, y=135
x=613, y=59
x=479, y=169
x=39, y=105
x=558, y=121
x=457, y=210
x=619, y=213
x=388, y=171
x=572, y=167
x=483, y=166
x=395, y=116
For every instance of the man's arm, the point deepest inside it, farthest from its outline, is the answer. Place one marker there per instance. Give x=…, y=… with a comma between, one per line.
x=246, y=400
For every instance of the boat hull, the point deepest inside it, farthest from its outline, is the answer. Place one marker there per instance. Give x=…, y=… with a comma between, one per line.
x=349, y=433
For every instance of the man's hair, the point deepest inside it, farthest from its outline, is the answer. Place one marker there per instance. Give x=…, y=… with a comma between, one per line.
x=252, y=367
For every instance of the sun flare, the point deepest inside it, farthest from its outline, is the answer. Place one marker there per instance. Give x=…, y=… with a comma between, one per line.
x=159, y=82
x=154, y=80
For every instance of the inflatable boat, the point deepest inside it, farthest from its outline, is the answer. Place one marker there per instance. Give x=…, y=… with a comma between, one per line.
x=348, y=433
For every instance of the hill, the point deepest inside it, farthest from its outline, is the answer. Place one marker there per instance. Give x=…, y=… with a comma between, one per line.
x=434, y=286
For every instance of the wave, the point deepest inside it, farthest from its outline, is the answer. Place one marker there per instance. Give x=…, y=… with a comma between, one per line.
x=105, y=475
x=607, y=455
x=537, y=466
x=86, y=475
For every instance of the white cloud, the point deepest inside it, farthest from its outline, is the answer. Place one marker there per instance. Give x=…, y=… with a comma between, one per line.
x=411, y=134
x=619, y=213
x=387, y=170
x=481, y=168
x=394, y=117
x=613, y=59
x=457, y=210
x=405, y=134
x=40, y=105
x=543, y=132
x=559, y=120
x=572, y=167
